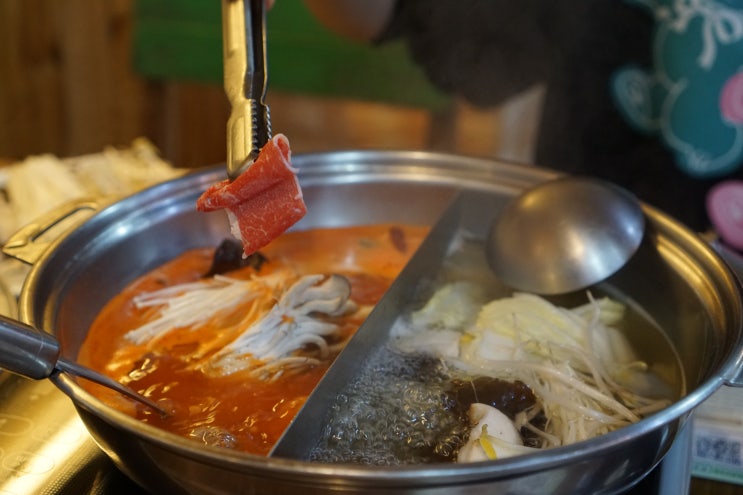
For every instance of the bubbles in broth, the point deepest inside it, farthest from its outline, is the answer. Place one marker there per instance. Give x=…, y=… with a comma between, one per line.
x=395, y=412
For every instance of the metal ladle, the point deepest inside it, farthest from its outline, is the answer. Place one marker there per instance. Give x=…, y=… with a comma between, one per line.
x=36, y=355
x=564, y=235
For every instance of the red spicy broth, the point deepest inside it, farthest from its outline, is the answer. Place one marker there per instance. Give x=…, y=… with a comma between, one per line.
x=236, y=410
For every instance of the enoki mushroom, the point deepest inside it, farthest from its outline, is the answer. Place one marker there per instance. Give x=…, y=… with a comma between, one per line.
x=284, y=324
x=292, y=324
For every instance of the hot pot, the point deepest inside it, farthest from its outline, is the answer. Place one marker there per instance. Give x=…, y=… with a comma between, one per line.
x=676, y=277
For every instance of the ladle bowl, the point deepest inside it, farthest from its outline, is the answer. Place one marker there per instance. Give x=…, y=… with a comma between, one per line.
x=564, y=235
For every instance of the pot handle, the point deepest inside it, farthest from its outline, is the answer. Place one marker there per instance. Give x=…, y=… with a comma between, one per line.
x=735, y=262
x=737, y=380
x=30, y=242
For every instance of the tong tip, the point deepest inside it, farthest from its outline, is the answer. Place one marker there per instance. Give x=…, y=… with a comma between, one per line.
x=248, y=129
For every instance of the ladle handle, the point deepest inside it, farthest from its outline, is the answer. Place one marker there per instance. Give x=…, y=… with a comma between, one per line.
x=26, y=351
x=33, y=354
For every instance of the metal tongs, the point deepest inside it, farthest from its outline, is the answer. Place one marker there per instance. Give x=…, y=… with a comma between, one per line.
x=245, y=76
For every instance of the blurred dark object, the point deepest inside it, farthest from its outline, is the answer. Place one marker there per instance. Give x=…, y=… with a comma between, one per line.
x=489, y=50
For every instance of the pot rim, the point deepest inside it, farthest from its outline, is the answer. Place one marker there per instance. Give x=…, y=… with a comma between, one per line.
x=422, y=475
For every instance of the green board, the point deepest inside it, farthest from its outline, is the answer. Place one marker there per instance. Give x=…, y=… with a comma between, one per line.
x=182, y=40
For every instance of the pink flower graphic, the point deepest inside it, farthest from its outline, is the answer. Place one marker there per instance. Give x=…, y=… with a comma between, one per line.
x=731, y=99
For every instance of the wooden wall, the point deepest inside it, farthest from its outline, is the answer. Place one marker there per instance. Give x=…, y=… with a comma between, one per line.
x=68, y=87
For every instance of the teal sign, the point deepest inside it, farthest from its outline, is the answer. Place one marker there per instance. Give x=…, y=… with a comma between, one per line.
x=692, y=98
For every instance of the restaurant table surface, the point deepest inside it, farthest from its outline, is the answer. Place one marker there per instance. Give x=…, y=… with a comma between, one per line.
x=701, y=486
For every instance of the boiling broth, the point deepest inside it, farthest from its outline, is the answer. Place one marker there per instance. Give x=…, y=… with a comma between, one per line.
x=400, y=407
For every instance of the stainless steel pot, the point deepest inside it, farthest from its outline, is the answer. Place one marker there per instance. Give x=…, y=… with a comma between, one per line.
x=676, y=277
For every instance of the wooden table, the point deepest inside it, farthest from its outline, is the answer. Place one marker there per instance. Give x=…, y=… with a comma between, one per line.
x=701, y=486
